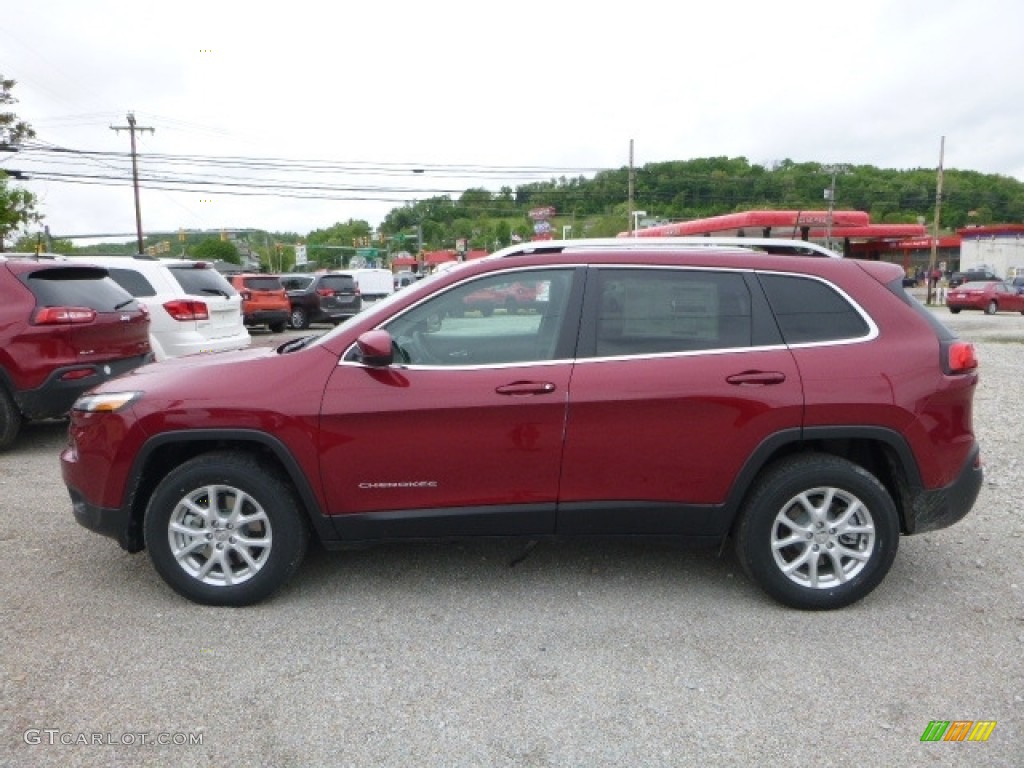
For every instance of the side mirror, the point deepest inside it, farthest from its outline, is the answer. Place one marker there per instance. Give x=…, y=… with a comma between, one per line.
x=375, y=349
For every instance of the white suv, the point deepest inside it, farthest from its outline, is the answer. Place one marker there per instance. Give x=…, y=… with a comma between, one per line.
x=192, y=306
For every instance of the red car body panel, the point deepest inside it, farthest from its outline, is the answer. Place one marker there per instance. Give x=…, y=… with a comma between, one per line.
x=649, y=438
x=469, y=437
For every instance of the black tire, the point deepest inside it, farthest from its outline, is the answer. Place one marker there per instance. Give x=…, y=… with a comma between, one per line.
x=298, y=319
x=954, y=311
x=278, y=327
x=10, y=419
x=276, y=532
x=992, y=308
x=782, y=505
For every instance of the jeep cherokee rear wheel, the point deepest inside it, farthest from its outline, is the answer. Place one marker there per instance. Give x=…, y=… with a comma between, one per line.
x=224, y=529
x=10, y=420
x=817, y=532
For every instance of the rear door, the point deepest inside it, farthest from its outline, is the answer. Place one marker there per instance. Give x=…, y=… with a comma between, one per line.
x=681, y=376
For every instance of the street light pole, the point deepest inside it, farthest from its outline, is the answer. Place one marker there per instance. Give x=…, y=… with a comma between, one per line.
x=636, y=219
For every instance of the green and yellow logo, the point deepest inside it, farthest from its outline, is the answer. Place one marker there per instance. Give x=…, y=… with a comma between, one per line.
x=958, y=730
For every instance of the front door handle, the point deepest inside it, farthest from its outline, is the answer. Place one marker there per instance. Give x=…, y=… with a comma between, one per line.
x=526, y=388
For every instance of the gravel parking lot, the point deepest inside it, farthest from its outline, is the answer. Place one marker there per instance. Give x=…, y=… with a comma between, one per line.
x=584, y=654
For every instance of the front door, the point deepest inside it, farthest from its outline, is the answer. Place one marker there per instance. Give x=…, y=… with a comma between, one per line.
x=463, y=434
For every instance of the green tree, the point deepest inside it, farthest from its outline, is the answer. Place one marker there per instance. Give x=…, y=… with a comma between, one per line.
x=213, y=249
x=17, y=210
x=17, y=206
x=29, y=244
x=12, y=130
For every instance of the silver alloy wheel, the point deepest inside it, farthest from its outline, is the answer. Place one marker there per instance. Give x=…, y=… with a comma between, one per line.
x=219, y=535
x=823, y=537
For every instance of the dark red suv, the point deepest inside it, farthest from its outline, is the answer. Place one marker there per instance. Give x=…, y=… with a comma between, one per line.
x=63, y=329
x=807, y=409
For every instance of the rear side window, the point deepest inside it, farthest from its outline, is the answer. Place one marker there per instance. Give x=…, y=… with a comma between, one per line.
x=262, y=283
x=134, y=282
x=339, y=283
x=651, y=311
x=809, y=310
x=78, y=287
x=197, y=281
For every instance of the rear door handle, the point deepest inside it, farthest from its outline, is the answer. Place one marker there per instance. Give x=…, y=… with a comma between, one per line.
x=526, y=388
x=756, y=378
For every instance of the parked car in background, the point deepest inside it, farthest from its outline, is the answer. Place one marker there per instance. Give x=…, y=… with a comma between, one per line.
x=64, y=328
x=805, y=410
x=192, y=306
x=321, y=297
x=1017, y=282
x=511, y=298
x=990, y=297
x=405, y=278
x=373, y=284
x=972, y=276
x=264, y=300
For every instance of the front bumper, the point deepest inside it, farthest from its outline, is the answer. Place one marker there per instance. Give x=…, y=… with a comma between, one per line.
x=116, y=523
x=942, y=507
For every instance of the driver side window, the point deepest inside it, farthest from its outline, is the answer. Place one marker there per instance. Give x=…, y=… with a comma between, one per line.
x=513, y=317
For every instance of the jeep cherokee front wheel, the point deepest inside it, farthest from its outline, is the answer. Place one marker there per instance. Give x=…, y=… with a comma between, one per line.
x=817, y=532
x=224, y=529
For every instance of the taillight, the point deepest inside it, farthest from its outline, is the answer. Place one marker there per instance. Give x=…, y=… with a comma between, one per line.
x=324, y=292
x=61, y=315
x=185, y=310
x=961, y=357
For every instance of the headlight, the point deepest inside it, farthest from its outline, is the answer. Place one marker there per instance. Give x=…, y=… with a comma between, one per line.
x=105, y=402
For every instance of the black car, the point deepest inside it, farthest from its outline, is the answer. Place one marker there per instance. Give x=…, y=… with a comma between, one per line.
x=973, y=276
x=323, y=297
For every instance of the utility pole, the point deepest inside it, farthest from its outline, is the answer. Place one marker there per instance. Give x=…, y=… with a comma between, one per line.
x=935, y=224
x=132, y=128
x=830, y=195
x=629, y=212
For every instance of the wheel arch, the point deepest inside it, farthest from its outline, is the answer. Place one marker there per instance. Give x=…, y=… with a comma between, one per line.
x=881, y=451
x=162, y=453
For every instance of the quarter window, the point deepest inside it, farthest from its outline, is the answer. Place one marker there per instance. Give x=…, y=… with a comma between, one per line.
x=811, y=311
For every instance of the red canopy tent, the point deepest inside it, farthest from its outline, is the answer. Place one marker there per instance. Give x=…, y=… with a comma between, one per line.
x=433, y=258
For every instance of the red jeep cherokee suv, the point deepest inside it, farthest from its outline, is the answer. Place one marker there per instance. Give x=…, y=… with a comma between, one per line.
x=63, y=329
x=804, y=408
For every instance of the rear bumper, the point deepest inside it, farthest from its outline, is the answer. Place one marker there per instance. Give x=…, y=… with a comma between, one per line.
x=942, y=507
x=54, y=397
x=267, y=316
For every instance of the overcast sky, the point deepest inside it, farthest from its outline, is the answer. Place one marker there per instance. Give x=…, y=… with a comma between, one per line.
x=350, y=99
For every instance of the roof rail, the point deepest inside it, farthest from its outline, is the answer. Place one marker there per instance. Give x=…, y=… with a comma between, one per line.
x=766, y=244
